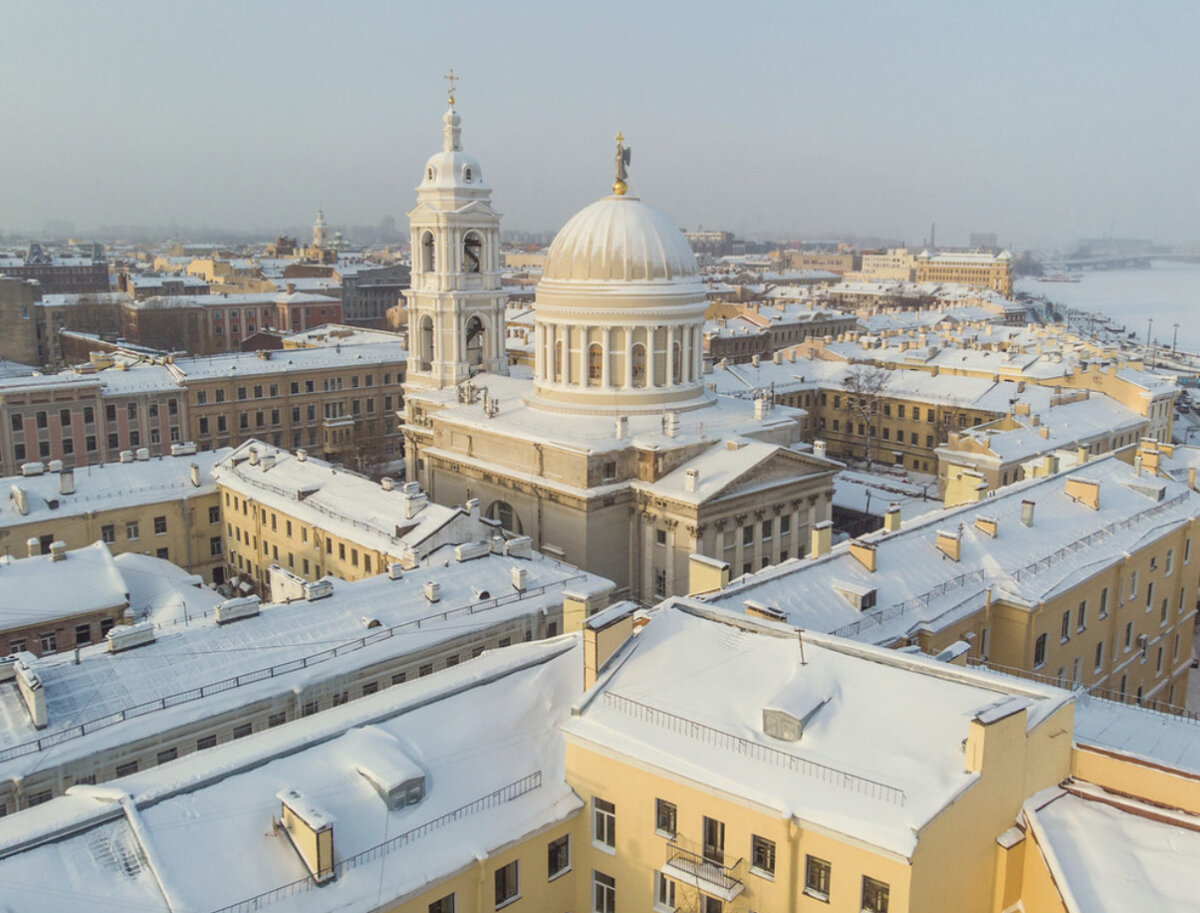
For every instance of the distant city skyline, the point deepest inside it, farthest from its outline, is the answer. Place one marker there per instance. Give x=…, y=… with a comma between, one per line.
x=1041, y=124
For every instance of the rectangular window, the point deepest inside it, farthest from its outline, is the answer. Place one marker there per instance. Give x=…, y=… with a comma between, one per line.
x=83, y=634
x=785, y=524
x=1039, y=652
x=443, y=905
x=276, y=719
x=1081, y=617
x=604, y=823
x=399, y=678
x=762, y=855
x=665, y=817
x=129, y=767
x=131, y=530
x=48, y=642
x=1133, y=584
x=816, y=877
x=874, y=896
x=664, y=893
x=604, y=893
x=1066, y=626
x=426, y=669
x=1128, y=635
x=108, y=533
x=168, y=754
x=160, y=526
x=1104, y=603
x=243, y=730
x=507, y=882
x=714, y=840
x=558, y=857
x=1099, y=663
x=1169, y=564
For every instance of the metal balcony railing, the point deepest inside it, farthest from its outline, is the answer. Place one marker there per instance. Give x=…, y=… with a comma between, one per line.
x=689, y=865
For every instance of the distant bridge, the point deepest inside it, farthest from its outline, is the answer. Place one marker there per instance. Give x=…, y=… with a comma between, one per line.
x=1127, y=261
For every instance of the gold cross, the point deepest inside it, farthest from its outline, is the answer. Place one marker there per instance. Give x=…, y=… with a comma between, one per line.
x=451, y=78
x=620, y=137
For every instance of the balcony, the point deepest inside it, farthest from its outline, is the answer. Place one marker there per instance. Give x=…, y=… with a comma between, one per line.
x=688, y=866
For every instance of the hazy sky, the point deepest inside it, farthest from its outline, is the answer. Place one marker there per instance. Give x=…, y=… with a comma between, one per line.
x=1042, y=121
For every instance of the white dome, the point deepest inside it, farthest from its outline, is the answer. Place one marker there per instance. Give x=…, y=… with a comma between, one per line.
x=620, y=239
x=452, y=169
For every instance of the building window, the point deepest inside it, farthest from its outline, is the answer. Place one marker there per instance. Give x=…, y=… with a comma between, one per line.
x=714, y=840
x=1066, y=626
x=160, y=526
x=507, y=883
x=83, y=634
x=1104, y=603
x=816, y=878
x=1133, y=584
x=558, y=857
x=660, y=582
x=309, y=708
x=243, y=730
x=108, y=533
x=874, y=896
x=665, y=818
x=443, y=905
x=163, y=553
x=1099, y=663
x=1039, y=652
x=48, y=642
x=1128, y=635
x=129, y=767
x=595, y=362
x=660, y=536
x=168, y=754
x=276, y=719
x=664, y=893
x=638, y=367
x=762, y=855
x=604, y=893
x=604, y=823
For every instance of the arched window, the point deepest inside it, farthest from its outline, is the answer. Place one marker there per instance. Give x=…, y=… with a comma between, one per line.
x=503, y=512
x=475, y=340
x=471, y=252
x=429, y=174
x=427, y=252
x=425, y=342
x=595, y=364
x=677, y=361
x=467, y=174
x=639, y=365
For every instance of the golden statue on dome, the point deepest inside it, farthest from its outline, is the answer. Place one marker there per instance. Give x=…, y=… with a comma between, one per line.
x=620, y=188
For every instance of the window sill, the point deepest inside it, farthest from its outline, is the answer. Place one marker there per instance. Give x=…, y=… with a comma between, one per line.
x=505, y=903
x=667, y=834
x=816, y=895
x=604, y=848
x=559, y=874
x=762, y=873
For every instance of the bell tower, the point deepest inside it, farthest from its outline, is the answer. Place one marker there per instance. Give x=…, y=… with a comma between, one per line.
x=455, y=302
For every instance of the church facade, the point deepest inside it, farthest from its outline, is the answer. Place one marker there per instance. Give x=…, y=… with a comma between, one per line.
x=613, y=455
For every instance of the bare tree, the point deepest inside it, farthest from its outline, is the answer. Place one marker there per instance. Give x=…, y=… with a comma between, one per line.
x=865, y=386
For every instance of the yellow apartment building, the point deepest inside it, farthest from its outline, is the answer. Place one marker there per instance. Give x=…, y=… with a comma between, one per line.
x=1087, y=578
x=166, y=507
x=981, y=270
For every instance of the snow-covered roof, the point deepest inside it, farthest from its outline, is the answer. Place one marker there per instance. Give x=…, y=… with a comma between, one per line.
x=197, y=825
x=188, y=655
x=345, y=504
x=692, y=687
x=107, y=486
x=1166, y=739
x=919, y=588
x=1110, y=855
x=40, y=589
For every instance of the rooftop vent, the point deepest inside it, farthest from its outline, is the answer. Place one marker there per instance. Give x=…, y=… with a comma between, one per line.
x=236, y=609
x=143, y=454
x=126, y=456
x=126, y=637
x=35, y=468
x=58, y=550
x=520, y=579
x=433, y=590
x=786, y=716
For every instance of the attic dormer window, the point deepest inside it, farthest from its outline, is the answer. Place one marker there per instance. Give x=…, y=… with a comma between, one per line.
x=467, y=174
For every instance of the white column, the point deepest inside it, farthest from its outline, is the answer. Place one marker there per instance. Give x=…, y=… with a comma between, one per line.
x=566, y=341
x=539, y=352
x=670, y=359
x=605, y=349
x=698, y=353
x=651, y=353
x=628, y=356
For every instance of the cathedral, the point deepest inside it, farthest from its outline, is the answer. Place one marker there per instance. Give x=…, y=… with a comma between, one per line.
x=614, y=455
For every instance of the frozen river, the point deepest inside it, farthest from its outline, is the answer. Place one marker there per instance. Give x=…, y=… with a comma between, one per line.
x=1168, y=292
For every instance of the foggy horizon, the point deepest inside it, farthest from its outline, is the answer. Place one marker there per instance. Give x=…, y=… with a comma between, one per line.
x=1042, y=126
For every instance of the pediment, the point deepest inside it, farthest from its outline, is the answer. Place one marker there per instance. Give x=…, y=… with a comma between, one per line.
x=776, y=468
